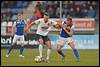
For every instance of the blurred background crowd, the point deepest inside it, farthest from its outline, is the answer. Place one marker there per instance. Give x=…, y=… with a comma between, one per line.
x=35, y=9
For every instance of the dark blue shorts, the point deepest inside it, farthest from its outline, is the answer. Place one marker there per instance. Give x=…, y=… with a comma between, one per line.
x=45, y=38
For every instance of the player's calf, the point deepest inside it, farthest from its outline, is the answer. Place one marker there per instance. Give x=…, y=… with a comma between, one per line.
x=75, y=51
x=9, y=50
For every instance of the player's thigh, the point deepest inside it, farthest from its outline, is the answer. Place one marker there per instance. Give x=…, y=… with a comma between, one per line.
x=47, y=42
x=59, y=46
x=71, y=43
x=22, y=40
x=40, y=39
x=16, y=37
x=60, y=43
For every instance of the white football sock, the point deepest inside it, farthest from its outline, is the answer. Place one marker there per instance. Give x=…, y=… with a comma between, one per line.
x=40, y=50
x=48, y=53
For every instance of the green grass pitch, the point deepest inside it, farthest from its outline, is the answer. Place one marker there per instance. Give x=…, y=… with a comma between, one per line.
x=88, y=58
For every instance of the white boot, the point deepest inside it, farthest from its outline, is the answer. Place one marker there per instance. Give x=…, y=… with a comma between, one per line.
x=21, y=56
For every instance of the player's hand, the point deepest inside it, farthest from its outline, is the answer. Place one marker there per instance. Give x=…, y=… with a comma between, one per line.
x=58, y=26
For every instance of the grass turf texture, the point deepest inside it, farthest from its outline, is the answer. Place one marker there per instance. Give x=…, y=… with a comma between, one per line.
x=88, y=58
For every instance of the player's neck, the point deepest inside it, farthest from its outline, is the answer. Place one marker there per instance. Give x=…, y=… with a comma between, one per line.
x=19, y=19
x=68, y=22
x=45, y=21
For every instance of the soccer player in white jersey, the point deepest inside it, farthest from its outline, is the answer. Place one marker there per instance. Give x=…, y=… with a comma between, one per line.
x=66, y=36
x=19, y=29
x=44, y=26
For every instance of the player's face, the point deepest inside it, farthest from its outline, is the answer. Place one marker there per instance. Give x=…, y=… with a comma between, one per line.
x=46, y=18
x=69, y=21
x=19, y=17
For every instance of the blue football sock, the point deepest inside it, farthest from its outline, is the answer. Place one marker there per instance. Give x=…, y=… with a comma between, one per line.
x=61, y=53
x=21, y=50
x=10, y=48
x=76, y=53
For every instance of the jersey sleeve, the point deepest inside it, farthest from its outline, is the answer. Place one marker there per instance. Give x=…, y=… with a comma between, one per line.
x=37, y=21
x=53, y=22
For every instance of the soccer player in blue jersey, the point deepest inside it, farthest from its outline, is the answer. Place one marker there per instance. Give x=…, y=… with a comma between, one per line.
x=19, y=29
x=66, y=36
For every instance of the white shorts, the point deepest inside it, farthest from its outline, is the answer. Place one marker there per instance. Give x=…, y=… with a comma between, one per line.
x=21, y=38
x=62, y=41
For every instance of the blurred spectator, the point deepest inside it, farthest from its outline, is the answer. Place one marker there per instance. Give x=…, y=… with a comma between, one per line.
x=49, y=5
x=94, y=4
x=43, y=7
x=58, y=13
x=50, y=12
x=84, y=13
x=38, y=5
x=64, y=12
x=89, y=3
x=81, y=11
x=5, y=4
x=56, y=3
x=72, y=13
x=78, y=13
x=37, y=13
x=78, y=3
x=14, y=17
x=64, y=3
x=97, y=15
x=69, y=8
x=63, y=15
x=1, y=18
x=10, y=8
x=71, y=4
x=4, y=17
x=32, y=18
x=83, y=7
x=91, y=12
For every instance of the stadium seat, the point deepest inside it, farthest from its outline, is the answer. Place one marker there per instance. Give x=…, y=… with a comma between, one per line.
x=25, y=4
x=19, y=4
x=14, y=11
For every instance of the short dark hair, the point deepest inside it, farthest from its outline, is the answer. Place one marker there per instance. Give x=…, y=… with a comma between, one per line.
x=19, y=14
x=46, y=14
x=69, y=18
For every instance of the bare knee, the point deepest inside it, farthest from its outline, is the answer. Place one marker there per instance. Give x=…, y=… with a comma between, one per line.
x=58, y=47
x=41, y=41
x=72, y=45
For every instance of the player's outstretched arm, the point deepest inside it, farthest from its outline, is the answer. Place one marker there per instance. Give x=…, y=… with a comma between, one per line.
x=28, y=27
x=58, y=25
x=32, y=23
